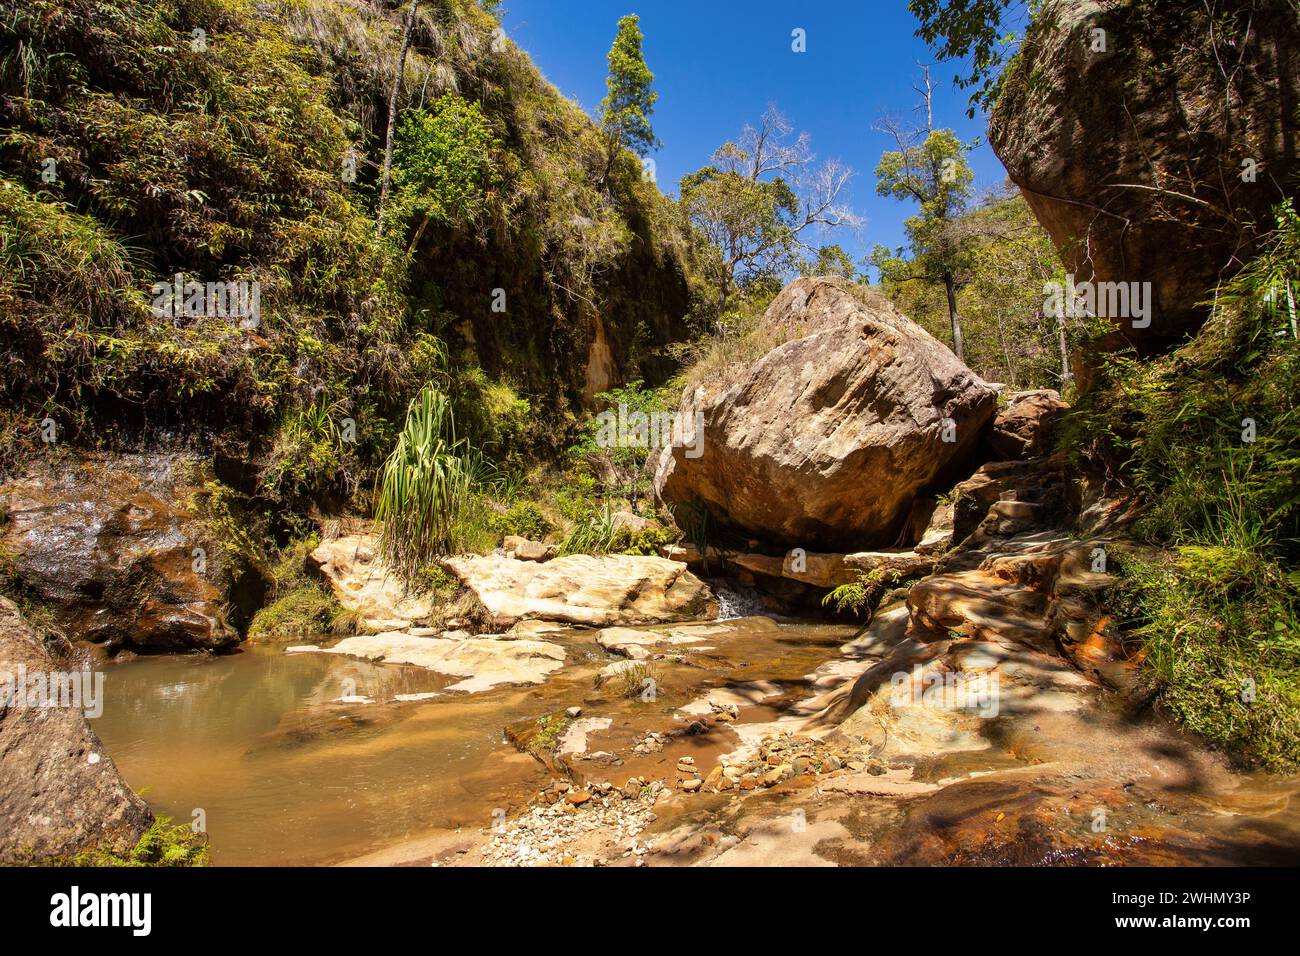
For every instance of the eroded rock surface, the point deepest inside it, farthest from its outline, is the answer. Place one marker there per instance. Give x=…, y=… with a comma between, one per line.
x=114, y=548
x=1134, y=157
x=362, y=582
x=483, y=661
x=1023, y=429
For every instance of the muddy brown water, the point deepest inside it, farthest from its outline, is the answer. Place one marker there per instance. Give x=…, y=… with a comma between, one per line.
x=285, y=772
x=259, y=746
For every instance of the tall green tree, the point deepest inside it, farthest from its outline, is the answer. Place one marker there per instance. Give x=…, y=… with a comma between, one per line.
x=625, y=110
x=929, y=168
x=1006, y=337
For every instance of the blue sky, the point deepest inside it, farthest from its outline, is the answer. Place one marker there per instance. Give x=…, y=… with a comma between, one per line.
x=718, y=64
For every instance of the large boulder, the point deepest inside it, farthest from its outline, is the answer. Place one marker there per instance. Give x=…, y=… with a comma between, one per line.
x=114, y=546
x=1158, y=159
x=59, y=792
x=825, y=441
x=598, y=591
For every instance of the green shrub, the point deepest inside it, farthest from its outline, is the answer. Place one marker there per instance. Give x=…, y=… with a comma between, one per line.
x=222, y=164
x=609, y=450
x=549, y=729
x=649, y=540
x=635, y=678
x=434, y=580
x=524, y=519
x=426, y=487
x=302, y=612
x=862, y=595
x=595, y=533
x=300, y=604
x=443, y=165
x=1224, y=651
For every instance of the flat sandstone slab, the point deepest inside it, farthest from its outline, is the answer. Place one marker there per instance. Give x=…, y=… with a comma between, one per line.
x=591, y=590
x=484, y=661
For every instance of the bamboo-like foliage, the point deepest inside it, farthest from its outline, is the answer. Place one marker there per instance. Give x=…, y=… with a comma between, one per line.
x=598, y=533
x=426, y=484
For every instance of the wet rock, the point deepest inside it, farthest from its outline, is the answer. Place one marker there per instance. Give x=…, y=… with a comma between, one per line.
x=597, y=591
x=59, y=792
x=651, y=743
x=776, y=775
x=115, y=548
x=574, y=739
x=883, y=408
x=637, y=644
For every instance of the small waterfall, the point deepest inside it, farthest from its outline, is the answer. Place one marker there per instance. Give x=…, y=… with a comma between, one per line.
x=734, y=603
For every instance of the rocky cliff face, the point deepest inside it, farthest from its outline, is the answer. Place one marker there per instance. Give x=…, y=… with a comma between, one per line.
x=1152, y=141
x=828, y=438
x=59, y=792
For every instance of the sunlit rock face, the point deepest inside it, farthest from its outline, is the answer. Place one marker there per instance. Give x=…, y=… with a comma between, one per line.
x=1024, y=428
x=593, y=590
x=363, y=582
x=826, y=440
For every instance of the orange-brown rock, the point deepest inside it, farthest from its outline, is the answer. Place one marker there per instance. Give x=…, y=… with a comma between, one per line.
x=1023, y=429
x=1146, y=155
x=113, y=546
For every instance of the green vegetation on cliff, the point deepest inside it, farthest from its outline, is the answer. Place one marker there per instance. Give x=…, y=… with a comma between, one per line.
x=150, y=142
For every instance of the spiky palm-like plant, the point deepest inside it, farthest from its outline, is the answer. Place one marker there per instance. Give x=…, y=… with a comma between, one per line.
x=426, y=484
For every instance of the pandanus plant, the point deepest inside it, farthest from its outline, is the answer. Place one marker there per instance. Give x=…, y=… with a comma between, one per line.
x=426, y=484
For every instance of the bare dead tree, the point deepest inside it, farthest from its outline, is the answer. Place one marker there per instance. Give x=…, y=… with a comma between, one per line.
x=757, y=152
x=926, y=92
